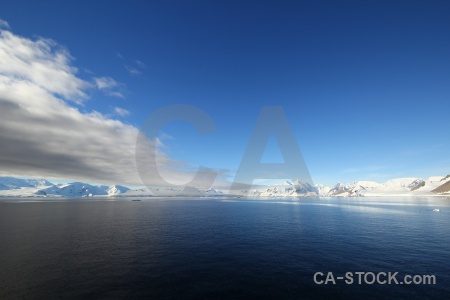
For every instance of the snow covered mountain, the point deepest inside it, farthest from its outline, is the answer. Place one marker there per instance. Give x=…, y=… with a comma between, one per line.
x=396, y=187
x=17, y=187
x=115, y=190
x=356, y=188
x=296, y=188
x=287, y=189
x=443, y=189
x=80, y=189
x=15, y=183
x=437, y=185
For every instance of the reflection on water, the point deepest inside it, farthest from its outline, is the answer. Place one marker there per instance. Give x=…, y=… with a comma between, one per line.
x=219, y=248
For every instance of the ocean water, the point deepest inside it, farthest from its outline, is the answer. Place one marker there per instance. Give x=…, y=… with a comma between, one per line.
x=221, y=248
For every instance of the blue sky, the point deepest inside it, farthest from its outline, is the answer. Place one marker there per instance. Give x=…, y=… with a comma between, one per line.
x=365, y=85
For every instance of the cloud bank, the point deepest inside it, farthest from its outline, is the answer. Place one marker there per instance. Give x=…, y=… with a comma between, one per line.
x=42, y=63
x=42, y=132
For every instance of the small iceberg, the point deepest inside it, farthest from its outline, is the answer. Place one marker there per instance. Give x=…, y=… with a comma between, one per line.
x=436, y=210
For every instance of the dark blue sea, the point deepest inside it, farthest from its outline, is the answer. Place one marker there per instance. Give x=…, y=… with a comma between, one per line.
x=221, y=248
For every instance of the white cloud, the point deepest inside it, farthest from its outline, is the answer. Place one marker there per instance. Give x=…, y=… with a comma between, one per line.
x=105, y=83
x=165, y=136
x=115, y=94
x=4, y=24
x=109, y=86
x=42, y=135
x=134, y=67
x=140, y=64
x=132, y=70
x=42, y=62
x=121, y=111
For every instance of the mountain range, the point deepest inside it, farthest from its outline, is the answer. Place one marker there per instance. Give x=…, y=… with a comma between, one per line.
x=433, y=186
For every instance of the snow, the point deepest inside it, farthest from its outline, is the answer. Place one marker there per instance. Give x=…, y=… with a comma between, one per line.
x=286, y=183
x=297, y=188
x=114, y=190
x=80, y=189
x=435, y=178
x=4, y=187
x=411, y=186
x=16, y=183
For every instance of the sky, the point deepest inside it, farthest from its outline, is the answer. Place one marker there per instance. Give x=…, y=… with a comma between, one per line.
x=365, y=85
